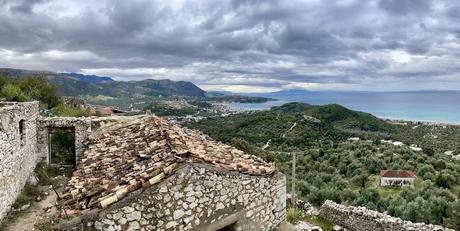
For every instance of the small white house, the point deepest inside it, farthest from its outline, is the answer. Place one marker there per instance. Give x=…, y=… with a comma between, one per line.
x=396, y=178
x=354, y=139
x=415, y=148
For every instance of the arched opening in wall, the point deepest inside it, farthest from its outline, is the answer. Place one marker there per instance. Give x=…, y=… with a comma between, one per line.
x=22, y=131
x=62, y=147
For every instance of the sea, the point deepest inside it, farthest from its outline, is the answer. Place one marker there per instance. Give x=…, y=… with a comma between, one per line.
x=430, y=106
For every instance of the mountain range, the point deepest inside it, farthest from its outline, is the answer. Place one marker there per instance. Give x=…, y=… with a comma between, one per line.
x=89, y=78
x=106, y=91
x=103, y=90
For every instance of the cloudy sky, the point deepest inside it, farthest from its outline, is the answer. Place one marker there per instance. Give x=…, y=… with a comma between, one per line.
x=241, y=45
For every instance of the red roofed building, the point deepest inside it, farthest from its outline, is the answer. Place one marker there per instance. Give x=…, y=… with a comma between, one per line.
x=396, y=178
x=150, y=174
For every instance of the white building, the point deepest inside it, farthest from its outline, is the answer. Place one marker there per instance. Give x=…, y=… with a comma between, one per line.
x=396, y=178
x=416, y=148
x=353, y=139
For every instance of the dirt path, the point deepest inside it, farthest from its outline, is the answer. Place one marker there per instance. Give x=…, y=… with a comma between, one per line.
x=28, y=220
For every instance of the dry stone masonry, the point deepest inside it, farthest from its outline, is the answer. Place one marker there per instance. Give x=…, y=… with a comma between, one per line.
x=81, y=127
x=18, y=143
x=362, y=219
x=200, y=197
x=149, y=174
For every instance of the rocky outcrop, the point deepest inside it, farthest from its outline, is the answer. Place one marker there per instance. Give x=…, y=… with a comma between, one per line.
x=363, y=219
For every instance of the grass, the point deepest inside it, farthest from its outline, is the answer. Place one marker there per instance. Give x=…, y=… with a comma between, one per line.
x=44, y=226
x=293, y=215
x=46, y=175
x=388, y=191
x=319, y=221
x=28, y=195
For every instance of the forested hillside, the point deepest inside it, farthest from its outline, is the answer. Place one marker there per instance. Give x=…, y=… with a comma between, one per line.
x=331, y=167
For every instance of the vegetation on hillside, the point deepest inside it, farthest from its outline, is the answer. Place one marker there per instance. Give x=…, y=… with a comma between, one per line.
x=29, y=88
x=106, y=92
x=330, y=167
x=36, y=87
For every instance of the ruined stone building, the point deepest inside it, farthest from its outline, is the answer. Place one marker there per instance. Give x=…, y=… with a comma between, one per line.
x=25, y=140
x=149, y=174
x=73, y=102
x=18, y=148
x=141, y=173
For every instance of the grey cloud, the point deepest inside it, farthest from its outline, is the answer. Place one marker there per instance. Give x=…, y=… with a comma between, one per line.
x=25, y=6
x=406, y=7
x=347, y=42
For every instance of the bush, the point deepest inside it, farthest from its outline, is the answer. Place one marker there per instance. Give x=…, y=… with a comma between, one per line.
x=13, y=92
x=62, y=110
x=30, y=88
x=37, y=87
x=293, y=215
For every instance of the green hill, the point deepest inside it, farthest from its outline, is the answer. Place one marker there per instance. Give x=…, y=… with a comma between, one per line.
x=331, y=168
x=338, y=115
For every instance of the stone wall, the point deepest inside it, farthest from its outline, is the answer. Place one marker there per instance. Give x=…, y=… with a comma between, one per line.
x=200, y=197
x=17, y=149
x=362, y=219
x=81, y=127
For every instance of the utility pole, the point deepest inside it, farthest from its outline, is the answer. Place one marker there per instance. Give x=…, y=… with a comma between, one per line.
x=293, y=179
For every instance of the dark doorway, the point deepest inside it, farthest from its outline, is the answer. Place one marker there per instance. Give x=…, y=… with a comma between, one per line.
x=62, y=147
x=228, y=228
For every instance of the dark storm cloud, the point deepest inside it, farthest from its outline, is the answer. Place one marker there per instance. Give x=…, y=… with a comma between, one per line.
x=240, y=44
x=25, y=6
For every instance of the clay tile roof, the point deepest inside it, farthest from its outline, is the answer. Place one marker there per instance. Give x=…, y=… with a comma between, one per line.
x=141, y=153
x=397, y=173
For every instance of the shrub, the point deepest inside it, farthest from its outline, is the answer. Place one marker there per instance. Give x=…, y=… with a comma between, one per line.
x=293, y=215
x=62, y=110
x=13, y=92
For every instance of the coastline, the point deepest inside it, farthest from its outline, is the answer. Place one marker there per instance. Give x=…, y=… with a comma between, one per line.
x=388, y=119
x=419, y=122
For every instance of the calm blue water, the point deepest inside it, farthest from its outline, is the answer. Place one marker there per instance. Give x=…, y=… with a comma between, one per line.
x=421, y=106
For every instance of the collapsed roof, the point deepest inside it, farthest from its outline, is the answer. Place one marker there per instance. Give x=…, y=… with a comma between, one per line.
x=141, y=153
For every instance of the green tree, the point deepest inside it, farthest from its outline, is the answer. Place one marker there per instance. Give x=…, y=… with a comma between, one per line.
x=37, y=88
x=360, y=180
x=453, y=215
x=13, y=92
x=445, y=180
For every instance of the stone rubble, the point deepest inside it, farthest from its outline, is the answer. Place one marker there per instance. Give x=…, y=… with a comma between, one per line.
x=304, y=226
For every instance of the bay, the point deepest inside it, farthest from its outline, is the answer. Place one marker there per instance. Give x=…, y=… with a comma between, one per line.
x=434, y=106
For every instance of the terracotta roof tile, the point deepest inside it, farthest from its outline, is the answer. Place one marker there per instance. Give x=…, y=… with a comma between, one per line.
x=397, y=173
x=140, y=154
